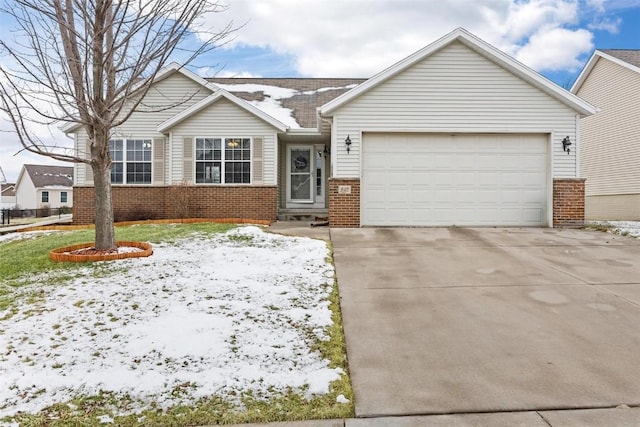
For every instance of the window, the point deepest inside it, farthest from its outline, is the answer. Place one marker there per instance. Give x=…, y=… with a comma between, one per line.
x=45, y=197
x=63, y=197
x=130, y=161
x=216, y=164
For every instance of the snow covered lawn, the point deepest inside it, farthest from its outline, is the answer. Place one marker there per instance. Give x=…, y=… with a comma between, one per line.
x=227, y=315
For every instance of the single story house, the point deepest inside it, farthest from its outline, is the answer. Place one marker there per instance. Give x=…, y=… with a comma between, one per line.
x=610, y=149
x=44, y=186
x=458, y=133
x=7, y=195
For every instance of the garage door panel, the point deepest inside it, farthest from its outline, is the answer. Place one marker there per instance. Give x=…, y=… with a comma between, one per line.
x=462, y=180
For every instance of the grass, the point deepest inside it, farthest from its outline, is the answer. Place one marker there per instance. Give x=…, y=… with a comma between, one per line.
x=606, y=227
x=25, y=258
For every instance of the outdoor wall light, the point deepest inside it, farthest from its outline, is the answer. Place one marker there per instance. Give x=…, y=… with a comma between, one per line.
x=566, y=142
x=347, y=142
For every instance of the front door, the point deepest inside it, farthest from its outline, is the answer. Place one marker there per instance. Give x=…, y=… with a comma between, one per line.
x=305, y=177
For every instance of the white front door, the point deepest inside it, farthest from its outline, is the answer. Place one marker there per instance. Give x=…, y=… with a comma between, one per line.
x=305, y=177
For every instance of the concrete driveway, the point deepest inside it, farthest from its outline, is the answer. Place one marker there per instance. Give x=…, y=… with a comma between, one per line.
x=459, y=320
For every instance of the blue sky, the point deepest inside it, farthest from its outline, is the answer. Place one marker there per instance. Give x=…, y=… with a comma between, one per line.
x=358, y=38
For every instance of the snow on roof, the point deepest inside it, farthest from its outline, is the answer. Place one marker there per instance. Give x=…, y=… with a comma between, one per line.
x=292, y=101
x=272, y=102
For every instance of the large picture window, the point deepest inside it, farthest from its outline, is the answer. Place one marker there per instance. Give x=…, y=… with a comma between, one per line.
x=223, y=160
x=130, y=161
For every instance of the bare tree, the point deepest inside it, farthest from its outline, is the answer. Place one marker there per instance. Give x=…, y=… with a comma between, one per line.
x=90, y=63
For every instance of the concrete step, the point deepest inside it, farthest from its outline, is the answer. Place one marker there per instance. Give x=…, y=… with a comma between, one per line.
x=303, y=214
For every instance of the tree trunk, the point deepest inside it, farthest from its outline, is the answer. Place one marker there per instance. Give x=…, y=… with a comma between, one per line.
x=105, y=232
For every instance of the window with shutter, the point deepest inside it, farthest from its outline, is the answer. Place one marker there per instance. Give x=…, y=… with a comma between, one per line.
x=158, y=161
x=88, y=170
x=258, y=160
x=187, y=157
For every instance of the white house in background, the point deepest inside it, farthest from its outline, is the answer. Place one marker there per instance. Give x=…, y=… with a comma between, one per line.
x=41, y=186
x=7, y=195
x=610, y=151
x=458, y=133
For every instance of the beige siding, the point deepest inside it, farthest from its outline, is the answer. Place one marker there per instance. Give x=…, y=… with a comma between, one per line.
x=610, y=150
x=225, y=119
x=613, y=208
x=176, y=90
x=454, y=90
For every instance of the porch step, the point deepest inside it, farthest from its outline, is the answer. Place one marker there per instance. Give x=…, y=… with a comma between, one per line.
x=302, y=214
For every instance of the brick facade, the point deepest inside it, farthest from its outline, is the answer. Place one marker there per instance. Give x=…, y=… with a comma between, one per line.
x=180, y=201
x=344, y=208
x=568, y=202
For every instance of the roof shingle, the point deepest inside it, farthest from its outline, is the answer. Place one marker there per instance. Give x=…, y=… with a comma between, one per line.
x=631, y=56
x=301, y=96
x=46, y=175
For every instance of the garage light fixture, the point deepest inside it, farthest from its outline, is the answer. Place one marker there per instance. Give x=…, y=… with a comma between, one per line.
x=566, y=142
x=347, y=142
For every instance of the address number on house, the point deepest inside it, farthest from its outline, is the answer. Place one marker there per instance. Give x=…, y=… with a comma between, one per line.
x=344, y=189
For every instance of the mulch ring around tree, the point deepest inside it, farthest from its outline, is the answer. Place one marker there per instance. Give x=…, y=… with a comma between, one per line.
x=86, y=252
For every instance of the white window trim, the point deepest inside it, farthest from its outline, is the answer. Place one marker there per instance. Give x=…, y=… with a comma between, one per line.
x=223, y=161
x=125, y=161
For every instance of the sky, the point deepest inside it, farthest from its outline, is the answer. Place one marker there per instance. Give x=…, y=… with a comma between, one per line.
x=359, y=38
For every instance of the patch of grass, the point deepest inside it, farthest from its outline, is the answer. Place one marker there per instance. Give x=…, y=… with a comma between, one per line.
x=600, y=226
x=288, y=405
x=28, y=257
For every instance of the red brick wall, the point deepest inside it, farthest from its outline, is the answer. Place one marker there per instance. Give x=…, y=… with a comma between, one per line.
x=568, y=202
x=180, y=201
x=344, y=209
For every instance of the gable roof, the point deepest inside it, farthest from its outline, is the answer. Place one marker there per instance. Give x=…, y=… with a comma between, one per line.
x=8, y=190
x=630, y=56
x=219, y=94
x=483, y=48
x=161, y=75
x=298, y=98
x=627, y=58
x=49, y=176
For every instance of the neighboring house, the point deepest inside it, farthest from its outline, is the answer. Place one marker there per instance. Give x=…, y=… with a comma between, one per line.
x=458, y=133
x=610, y=149
x=44, y=186
x=7, y=195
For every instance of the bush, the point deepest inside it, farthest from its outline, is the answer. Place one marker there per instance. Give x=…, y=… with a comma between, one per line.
x=137, y=213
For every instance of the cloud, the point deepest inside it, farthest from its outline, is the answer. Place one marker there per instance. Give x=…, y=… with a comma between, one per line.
x=221, y=72
x=358, y=38
x=546, y=50
x=611, y=25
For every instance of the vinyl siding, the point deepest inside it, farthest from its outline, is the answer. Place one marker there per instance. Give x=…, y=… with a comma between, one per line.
x=175, y=89
x=225, y=119
x=26, y=193
x=610, y=150
x=454, y=90
x=624, y=207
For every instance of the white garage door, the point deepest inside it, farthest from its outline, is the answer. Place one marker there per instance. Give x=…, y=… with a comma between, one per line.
x=442, y=180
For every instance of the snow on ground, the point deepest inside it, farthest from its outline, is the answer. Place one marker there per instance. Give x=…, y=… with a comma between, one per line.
x=22, y=236
x=631, y=228
x=207, y=315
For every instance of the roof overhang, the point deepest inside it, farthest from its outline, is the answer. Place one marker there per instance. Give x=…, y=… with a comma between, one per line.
x=597, y=55
x=213, y=98
x=483, y=48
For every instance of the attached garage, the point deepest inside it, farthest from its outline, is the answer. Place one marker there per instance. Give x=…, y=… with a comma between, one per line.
x=455, y=179
x=458, y=133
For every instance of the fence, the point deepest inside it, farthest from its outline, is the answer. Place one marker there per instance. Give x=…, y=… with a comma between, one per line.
x=7, y=215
